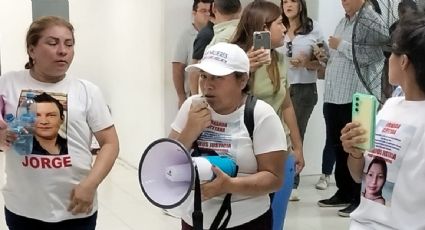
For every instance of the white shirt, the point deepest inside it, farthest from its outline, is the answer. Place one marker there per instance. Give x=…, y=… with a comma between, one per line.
x=303, y=45
x=400, y=140
x=227, y=135
x=39, y=186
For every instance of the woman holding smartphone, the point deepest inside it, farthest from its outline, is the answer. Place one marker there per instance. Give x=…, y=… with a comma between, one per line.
x=268, y=68
x=399, y=138
x=304, y=37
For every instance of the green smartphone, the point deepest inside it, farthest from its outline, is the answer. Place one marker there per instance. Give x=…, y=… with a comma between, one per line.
x=364, y=111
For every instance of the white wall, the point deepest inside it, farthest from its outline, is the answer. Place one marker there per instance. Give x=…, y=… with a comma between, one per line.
x=119, y=47
x=15, y=18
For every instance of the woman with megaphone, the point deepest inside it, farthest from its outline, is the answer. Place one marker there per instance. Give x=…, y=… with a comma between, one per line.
x=214, y=122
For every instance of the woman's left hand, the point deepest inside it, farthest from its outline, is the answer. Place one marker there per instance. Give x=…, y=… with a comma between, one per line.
x=82, y=197
x=258, y=58
x=217, y=186
x=299, y=160
x=299, y=61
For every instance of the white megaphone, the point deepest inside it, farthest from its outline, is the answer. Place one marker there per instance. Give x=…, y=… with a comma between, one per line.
x=167, y=172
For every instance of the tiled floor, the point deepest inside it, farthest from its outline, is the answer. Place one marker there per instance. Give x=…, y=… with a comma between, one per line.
x=123, y=207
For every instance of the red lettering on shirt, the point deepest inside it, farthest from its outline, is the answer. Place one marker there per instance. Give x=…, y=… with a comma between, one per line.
x=44, y=162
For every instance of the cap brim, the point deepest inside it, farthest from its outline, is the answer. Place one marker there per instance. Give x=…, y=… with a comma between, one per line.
x=211, y=67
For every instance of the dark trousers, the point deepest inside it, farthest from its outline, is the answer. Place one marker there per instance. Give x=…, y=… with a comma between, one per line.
x=263, y=222
x=336, y=117
x=17, y=222
x=304, y=98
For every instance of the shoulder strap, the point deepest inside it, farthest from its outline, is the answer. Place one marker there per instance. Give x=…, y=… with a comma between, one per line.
x=249, y=114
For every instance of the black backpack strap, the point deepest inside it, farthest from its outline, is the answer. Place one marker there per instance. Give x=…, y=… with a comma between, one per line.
x=225, y=206
x=249, y=114
x=197, y=215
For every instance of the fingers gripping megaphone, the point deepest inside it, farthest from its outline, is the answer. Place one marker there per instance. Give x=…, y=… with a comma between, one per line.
x=167, y=172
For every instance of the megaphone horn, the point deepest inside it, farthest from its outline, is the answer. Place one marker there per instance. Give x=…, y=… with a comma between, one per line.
x=167, y=172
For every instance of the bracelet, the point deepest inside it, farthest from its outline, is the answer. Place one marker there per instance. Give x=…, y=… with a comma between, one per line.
x=357, y=158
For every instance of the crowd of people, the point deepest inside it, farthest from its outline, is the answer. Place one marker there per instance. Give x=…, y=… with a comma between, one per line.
x=377, y=187
x=284, y=76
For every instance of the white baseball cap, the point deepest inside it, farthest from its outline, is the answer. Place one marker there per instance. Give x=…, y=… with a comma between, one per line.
x=222, y=59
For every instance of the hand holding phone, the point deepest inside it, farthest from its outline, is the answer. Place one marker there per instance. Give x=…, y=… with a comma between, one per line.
x=364, y=112
x=261, y=39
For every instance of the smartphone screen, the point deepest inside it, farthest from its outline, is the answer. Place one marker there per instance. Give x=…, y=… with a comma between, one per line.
x=261, y=40
x=364, y=111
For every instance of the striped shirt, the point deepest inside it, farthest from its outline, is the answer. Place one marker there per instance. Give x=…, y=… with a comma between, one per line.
x=341, y=79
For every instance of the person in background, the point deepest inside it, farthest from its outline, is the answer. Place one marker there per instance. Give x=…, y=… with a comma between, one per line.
x=341, y=82
x=43, y=192
x=226, y=19
x=203, y=38
x=268, y=68
x=184, y=48
x=399, y=138
x=302, y=37
x=218, y=126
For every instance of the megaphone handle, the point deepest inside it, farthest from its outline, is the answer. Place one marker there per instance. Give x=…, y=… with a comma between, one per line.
x=197, y=215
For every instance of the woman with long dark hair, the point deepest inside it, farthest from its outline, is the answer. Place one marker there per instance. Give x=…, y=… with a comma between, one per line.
x=399, y=138
x=303, y=37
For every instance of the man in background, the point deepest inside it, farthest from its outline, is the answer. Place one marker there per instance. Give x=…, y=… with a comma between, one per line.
x=203, y=38
x=183, y=51
x=227, y=14
x=341, y=82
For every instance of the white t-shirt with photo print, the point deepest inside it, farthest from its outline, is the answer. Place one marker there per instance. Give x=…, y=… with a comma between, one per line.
x=228, y=135
x=400, y=141
x=39, y=186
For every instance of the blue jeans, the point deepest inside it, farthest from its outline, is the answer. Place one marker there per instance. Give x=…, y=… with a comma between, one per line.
x=17, y=222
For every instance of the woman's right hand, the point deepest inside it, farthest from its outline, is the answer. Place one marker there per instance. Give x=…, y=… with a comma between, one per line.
x=320, y=54
x=6, y=137
x=199, y=118
x=351, y=135
x=257, y=58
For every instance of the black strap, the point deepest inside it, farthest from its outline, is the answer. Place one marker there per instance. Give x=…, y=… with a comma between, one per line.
x=249, y=114
x=225, y=206
x=197, y=216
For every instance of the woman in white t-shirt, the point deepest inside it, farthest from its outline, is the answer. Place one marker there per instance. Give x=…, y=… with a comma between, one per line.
x=56, y=190
x=218, y=125
x=303, y=36
x=399, y=138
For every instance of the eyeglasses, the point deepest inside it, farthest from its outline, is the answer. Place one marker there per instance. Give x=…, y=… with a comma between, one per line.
x=203, y=11
x=289, y=47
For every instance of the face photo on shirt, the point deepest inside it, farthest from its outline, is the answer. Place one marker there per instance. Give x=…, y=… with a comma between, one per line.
x=374, y=180
x=50, y=127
